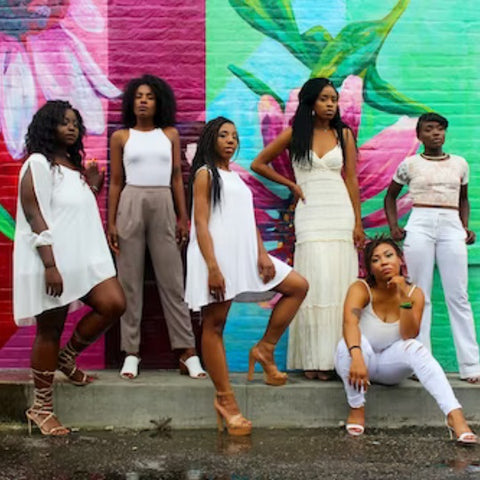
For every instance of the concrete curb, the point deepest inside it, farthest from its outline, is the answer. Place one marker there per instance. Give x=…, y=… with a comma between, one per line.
x=114, y=402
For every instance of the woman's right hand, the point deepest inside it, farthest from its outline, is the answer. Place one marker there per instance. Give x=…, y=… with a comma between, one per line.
x=216, y=284
x=297, y=193
x=53, y=281
x=358, y=377
x=112, y=236
x=397, y=233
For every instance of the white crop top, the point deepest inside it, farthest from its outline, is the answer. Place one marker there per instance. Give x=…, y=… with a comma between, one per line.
x=379, y=334
x=147, y=159
x=433, y=182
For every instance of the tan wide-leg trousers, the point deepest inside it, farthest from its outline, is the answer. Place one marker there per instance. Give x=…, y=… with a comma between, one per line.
x=146, y=217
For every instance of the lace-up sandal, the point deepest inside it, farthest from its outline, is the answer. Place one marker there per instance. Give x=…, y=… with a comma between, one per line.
x=67, y=363
x=41, y=412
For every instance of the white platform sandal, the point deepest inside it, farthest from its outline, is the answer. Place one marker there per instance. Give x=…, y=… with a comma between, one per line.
x=193, y=368
x=129, y=370
x=354, y=429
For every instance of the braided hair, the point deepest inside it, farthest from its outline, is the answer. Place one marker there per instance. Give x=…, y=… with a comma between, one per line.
x=303, y=122
x=206, y=155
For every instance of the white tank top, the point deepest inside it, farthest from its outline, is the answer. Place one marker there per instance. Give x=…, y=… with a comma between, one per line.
x=379, y=334
x=147, y=159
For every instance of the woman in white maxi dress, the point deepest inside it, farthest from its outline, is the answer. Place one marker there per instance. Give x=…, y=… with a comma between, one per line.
x=328, y=223
x=226, y=261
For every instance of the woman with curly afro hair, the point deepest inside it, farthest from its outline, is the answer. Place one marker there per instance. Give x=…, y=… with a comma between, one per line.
x=60, y=254
x=145, y=174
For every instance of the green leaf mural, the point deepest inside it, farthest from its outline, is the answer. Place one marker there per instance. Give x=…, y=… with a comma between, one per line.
x=353, y=51
x=383, y=96
x=7, y=224
x=275, y=18
x=255, y=84
x=356, y=47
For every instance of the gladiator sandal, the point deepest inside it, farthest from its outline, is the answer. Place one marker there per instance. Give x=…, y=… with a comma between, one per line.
x=41, y=412
x=67, y=362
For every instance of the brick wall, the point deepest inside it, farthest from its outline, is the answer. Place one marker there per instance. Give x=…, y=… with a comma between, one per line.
x=193, y=45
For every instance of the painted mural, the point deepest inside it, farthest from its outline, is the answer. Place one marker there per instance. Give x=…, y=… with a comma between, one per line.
x=388, y=60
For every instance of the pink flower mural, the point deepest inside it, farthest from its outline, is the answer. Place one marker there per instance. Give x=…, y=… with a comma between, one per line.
x=49, y=49
x=41, y=54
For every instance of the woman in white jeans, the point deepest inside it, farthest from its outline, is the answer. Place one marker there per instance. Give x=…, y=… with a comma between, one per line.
x=382, y=317
x=437, y=231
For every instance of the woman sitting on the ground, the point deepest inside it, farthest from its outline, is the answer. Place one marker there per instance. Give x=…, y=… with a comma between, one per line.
x=382, y=317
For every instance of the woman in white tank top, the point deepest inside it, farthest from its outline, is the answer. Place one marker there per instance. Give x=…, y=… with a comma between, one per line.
x=382, y=317
x=145, y=170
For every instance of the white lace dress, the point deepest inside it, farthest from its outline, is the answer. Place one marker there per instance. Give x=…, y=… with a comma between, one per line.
x=326, y=257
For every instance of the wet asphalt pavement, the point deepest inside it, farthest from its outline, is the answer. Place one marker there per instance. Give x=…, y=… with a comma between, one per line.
x=410, y=453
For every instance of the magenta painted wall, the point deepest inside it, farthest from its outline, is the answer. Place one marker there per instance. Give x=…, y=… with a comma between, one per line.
x=85, y=51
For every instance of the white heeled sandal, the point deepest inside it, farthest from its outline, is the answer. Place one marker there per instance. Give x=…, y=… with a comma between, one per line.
x=354, y=429
x=129, y=370
x=193, y=368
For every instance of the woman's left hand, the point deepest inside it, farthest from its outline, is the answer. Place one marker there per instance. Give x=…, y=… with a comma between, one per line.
x=400, y=284
x=182, y=232
x=471, y=237
x=358, y=237
x=93, y=176
x=266, y=268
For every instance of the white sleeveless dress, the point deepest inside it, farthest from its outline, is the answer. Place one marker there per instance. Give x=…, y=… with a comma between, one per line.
x=325, y=255
x=233, y=230
x=79, y=245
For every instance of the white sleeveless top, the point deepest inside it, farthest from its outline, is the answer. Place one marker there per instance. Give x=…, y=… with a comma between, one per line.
x=379, y=334
x=147, y=159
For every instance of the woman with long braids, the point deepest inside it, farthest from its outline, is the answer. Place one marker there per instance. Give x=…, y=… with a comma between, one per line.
x=146, y=197
x=328, y=223
x=60, y=254
x=226, y=261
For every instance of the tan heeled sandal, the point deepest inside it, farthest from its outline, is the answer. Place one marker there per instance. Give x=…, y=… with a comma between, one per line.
x=237, y=424
x=67, y=363
x=41, y=412
x=271, y=374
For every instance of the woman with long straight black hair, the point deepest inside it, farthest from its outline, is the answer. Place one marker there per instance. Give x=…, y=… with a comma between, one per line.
x=327, y=221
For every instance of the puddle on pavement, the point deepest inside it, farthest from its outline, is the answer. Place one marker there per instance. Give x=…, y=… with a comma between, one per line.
x=462, y=465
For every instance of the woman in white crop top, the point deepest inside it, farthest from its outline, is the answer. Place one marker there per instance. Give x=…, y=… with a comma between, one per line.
x=382, y=316
x=437, y=231
x=145, y=170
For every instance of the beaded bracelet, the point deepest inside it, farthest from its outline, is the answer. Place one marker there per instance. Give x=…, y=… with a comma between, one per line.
x=406, y=305
x=354, y=346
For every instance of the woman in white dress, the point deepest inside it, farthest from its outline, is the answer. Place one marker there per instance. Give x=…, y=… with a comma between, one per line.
x=226, y=261
x=382, y=317
x=60, y=254
x=328, y=223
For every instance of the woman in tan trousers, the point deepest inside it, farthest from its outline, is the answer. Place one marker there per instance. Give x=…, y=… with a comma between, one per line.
x=145, y=170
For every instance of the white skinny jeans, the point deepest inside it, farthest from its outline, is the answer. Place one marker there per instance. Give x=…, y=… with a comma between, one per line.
x=394, y=364
x=437, y=235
